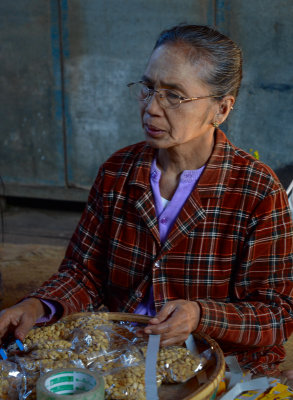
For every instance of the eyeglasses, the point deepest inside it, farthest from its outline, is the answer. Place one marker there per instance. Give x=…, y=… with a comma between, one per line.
x=168, y=99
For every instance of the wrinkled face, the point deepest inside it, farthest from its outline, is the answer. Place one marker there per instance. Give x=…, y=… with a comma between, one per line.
x=169, y=68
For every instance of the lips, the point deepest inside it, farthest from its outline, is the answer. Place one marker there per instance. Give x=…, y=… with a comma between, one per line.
x=153, y=130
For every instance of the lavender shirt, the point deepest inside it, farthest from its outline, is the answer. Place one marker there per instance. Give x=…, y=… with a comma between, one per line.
x=167, y=216
x=167, y=213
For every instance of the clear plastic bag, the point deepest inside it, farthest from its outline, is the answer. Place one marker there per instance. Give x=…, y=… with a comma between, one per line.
x=117, y=359
x=127, y=383
x=177, y=364
x=10, y=380
x=92, y=342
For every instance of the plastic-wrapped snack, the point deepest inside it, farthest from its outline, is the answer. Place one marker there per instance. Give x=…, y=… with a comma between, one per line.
x=94, y=344
x=98, y=360
x=89, y=339
x=63, y=330
x=98, y=318
x=114, y=360
x=40, y=336
x=56, y=354
x=48, y=365
x=127, y=383
x=10, y=380
x=95, y=340
x=52, y=344
x=125, y=330
x=91, y=321
x=30, y=369
x=177, y=364
x=117, y=340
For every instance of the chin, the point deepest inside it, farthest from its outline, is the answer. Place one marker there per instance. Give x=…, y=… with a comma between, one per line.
x=156, y=143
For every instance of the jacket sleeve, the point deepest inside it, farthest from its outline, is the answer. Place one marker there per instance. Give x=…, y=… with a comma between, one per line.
x=261, y=309
x=78, y=285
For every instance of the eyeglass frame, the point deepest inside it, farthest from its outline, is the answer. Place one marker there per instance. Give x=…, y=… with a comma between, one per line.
x=181, y=98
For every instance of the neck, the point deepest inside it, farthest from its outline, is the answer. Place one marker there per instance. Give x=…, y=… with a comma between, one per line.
x=186, y=156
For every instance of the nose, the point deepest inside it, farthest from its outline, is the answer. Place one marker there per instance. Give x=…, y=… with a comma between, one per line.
x=153, y=105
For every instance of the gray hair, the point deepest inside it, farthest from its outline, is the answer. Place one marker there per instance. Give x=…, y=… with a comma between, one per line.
x=219, y=51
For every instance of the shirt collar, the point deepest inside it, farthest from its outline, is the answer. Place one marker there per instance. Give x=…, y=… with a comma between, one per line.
x=214, y=179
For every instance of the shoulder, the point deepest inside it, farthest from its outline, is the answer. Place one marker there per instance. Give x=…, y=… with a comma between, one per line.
x=236, y=172
x=129, y=163
x=116, y=171
x=124, y=158
x=252, y=186
x=253, y=174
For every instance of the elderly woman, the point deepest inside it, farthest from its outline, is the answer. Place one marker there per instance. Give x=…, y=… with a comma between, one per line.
x=184, y=226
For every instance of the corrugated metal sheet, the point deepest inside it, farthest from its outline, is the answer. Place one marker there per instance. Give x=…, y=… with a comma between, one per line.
x=64, y=66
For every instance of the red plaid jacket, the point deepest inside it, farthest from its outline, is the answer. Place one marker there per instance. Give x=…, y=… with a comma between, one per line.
x=231, y=249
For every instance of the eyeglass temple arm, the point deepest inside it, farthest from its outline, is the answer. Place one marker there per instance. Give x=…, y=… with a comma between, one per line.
x=198, y=98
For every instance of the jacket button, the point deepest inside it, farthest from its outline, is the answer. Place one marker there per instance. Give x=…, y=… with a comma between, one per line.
x=157, y=264
x=138, y=294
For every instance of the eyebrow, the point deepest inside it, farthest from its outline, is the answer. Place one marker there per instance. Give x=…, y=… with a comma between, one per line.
x=167, y=85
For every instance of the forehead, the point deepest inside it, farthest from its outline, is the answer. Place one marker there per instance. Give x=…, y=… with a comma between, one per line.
x=171, y=63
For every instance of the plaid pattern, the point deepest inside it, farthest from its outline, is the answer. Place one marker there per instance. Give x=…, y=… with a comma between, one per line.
x=230, y=249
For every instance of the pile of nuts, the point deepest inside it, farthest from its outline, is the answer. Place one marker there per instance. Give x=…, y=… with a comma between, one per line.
x=92, y=341
x=176, y=364
x=127, y=383
x=10, y=380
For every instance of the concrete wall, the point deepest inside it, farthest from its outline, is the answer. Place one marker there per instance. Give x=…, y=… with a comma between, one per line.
x=64, y=66
x=263, y=118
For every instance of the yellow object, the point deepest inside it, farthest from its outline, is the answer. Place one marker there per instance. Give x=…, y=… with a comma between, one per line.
x=255, y=153
x=222, y=387
x=248, y=395
x=278, y=392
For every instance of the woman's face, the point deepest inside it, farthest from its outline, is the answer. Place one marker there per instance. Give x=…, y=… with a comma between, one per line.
x=169, y=68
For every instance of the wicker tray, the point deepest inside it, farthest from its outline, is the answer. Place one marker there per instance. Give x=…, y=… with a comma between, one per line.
x=201, y=387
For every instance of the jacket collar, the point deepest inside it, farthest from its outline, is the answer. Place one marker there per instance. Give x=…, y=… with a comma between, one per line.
x=214, y=179
x=216, y=175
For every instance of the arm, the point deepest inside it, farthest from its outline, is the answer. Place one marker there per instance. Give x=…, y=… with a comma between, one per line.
x=261, y=309
x=78, y=284
x=21, y=318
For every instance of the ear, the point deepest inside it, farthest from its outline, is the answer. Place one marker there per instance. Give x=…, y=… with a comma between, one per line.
x=224, y=107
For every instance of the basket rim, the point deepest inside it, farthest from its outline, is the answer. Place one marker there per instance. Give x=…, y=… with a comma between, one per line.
x=208, y=388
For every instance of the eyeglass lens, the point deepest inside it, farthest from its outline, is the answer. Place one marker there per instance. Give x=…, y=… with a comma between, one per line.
x=143, y=93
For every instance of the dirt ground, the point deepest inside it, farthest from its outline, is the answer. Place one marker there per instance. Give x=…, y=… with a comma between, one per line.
x=23, y=267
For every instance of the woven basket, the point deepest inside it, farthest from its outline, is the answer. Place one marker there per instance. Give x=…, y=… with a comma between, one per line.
x=201, y=387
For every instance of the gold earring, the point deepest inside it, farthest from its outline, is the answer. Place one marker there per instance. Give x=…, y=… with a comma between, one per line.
x=215, y=124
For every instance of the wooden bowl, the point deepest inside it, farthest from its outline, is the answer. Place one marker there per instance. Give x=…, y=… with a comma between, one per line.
x=201, y=387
